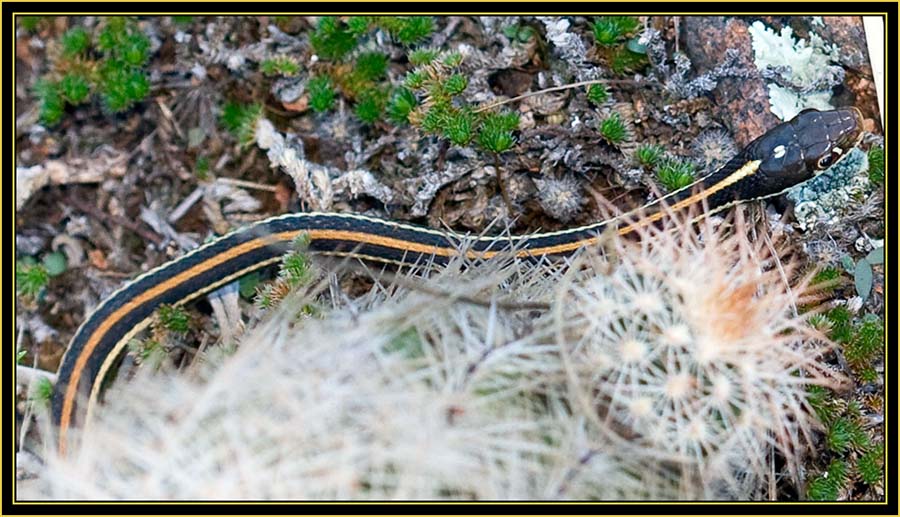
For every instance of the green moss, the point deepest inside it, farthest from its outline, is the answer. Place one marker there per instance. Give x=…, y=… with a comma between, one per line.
x=371, y=66
x=51, y=101
x=876, y=165
x=75, y=88
x=75, y=41
x=407, y=30
x=41, y=393
x=597, y=94
x=459, y=127
x=370, y=105
x=31, y=278
x=321, y=93
x=241, y=119
x=332, y=39
x=150, y=352
x=437, y=117
x=403, y=102
x=867, y=342
x=827, y=278
x=281, y=65
x=174, y=319
x=296, y=268
x=648, y=155
x=841, y=326
x=422, y=56
x=625, y=60
x=612, y=128
x=30, y=23
x=455, y=84
x=610, y=29
x=675, y=174
x=844, y=434
x=496, y=132
x=415, y=79
x=823, y=403
x=871, y=465
x=827, y=486
x=201, y=168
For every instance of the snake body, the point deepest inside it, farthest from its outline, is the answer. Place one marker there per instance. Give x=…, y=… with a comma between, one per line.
x=787, y=155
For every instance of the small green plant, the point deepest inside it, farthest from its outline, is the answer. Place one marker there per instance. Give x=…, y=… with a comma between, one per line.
x=865, y=346
x=407, y=30
x=610, y=29
x=597, y=94
x=360, y=77
x=519, y=33
x=876, y=165
x=871, y=465
x=41, y=393
x=31, y=278
x=30, y=23
x=55, y=263
x=332, y=38
x=247, y=285
x=613, y=129
x=845, y=434
x=280, y=65
x=75, y=41
x=610, y=33
x=174, y=319
x=296, y=270
x=20, y=355
x=827, y=486
x=110, y=66
x=854, y=455
x=201, y=168
x=403, y=101
x=321, y=93
x=442, y=113
x=827, y=278
x=496, y=133
x=241, y=119
x=863, y=276
x=149, y=352
x=649, y=155
x=675, y=174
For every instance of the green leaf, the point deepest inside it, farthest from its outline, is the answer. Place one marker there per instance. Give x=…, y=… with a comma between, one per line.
x=847, y=262
x=875, y=256
x=862, y=277
x=247, y=285
x=55, y=263
x=635, y=45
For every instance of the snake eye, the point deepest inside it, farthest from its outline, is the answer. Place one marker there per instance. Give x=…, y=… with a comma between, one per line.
x=826, y=161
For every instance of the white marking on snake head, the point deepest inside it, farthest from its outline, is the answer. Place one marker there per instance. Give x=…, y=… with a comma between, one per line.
x=779, y=151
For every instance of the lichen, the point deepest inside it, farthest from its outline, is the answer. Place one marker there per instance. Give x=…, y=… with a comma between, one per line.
x=834, y=193
x=801, y=71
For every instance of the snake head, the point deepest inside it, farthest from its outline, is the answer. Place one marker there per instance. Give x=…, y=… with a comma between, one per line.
x=803, y=147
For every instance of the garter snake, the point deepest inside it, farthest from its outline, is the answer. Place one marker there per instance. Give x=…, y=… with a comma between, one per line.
x=786, y=155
